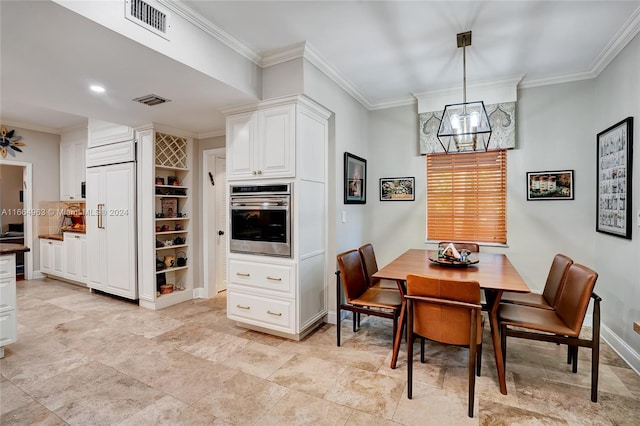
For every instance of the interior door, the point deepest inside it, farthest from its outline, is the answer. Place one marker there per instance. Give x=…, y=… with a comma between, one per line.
x=221, y=219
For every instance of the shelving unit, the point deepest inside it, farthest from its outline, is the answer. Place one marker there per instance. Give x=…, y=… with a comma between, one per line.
x=166, y=172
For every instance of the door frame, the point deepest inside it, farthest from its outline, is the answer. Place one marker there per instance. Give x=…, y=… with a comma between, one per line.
x=209, y=290
x=27, y=201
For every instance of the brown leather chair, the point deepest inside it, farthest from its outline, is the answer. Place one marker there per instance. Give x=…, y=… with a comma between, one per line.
x=371, y=267
x=459, y=245
x=359, y=297
x=552, y=288
x=561, y=325
x=445, y=311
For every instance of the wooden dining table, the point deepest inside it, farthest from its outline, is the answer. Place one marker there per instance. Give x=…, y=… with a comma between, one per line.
x=494, y=272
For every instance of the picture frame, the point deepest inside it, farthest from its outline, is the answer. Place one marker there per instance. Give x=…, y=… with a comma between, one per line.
x=614, y=155
x=550, y=185
x=397, y=189
x=355, y=179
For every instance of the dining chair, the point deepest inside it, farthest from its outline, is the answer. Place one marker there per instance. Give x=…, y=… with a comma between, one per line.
x=371, y=267
x=553, y=287
x=561, y=325
x=445, y=311
x=359, y=297
x=459, y=245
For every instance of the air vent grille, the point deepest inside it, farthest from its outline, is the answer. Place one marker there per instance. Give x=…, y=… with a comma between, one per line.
x=151, y=100
x=147, y=16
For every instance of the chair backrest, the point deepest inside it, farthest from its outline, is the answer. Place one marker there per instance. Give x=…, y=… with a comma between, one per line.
x=472, y=247
x=574, y=297
x=370, y=263
x=556, y=278
x=354, y=281
x=449, y=321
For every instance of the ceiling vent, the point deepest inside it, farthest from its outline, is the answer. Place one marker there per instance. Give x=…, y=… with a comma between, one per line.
x=151, y=100
x=147, y=16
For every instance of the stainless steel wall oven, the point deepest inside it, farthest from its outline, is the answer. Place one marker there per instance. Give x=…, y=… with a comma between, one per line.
x=260, y=217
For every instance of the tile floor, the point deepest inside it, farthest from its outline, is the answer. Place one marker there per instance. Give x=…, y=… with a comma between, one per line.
x=88, y=359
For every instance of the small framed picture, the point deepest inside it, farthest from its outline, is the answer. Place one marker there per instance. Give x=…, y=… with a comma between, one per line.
x=550, y=185
x=355, y=179
x=614, y=176
x=397, y=189
x=169, y=207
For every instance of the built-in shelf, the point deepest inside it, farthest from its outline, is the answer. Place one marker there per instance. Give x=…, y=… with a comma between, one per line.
x=177, y=268
x=171, y=196
x=181, y=169
x=172, y=186
x=171, y=232
x=171, y=247
x=159, y=219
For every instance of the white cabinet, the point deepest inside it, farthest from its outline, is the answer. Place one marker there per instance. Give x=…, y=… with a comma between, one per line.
x=75, y=255
x=8, y=320
x=111, y=229
x=105, y=133
x=52, y=257
x=261, y=144
x=282, y=140
x=72, y=165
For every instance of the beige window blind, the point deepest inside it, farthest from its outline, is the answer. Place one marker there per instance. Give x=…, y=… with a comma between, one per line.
x=466, y=197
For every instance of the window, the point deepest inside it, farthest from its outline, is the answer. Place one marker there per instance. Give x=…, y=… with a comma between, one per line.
x=466, y=197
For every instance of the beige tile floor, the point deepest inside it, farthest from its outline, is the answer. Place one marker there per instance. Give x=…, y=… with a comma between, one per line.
x=88, y=359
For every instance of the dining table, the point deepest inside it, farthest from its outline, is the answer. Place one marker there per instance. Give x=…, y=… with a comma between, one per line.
x=493, y=271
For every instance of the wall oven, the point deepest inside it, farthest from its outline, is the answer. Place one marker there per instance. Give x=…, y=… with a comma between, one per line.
x=260, y=217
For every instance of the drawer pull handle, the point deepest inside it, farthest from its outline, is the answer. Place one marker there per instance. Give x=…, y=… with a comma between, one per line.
x=242, y=274
x=278, y=314
x=274, y=278
x=243, y=307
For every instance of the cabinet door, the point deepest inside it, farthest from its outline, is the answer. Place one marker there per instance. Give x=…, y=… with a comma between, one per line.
x=46, y=256
x=58, y=258
x=66, y=171
x=241, y=134
x=276, y=148
x=82, y=258
x=96, y=246
x=78, y=169
x=70, y=252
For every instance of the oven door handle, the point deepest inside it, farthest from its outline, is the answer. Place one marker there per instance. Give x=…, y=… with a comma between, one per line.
x=252, y=205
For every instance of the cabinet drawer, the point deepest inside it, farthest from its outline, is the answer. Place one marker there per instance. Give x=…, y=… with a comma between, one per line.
x=7, y=294
x=261, y=311
x=273, y=278
x=7, y=266
x=8, y=327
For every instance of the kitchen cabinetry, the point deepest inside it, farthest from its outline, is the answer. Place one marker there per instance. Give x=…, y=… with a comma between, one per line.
x=8, y=319
x=52, y=257
x=261, y=143
x=111, y=229
x=75, y=255
x=165, y=209
x=72, y=164
x=105, y=133
x=282, y=141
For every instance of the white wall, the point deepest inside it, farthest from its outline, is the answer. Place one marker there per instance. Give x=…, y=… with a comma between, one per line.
x=42, y=150
x=617, y=96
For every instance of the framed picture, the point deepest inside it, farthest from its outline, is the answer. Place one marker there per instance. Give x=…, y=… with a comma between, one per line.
x=169, y=207
x=550, y=185
x=355, y=179
x=397, y=189
x=614, y=162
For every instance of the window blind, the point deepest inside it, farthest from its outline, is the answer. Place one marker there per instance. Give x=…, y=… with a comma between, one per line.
x=466, y=197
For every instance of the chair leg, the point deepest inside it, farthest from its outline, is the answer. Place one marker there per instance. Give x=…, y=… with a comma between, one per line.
x=409, y=353
x=574, y=350
x=422, y=349
x=355, y=321
x=595, y=349
x=569, y=355
x=479, y=360
x=338, y=302
x=472, y=362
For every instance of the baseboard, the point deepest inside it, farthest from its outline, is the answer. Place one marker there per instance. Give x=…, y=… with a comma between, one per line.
x=331, y=316
x=631, y=357
x=37, y=275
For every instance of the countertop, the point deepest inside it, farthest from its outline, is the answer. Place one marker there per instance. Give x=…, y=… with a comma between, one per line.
x=58, y=237
x=6, y=248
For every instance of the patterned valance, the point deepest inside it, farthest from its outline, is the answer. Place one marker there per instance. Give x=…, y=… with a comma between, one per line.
x=502, y=117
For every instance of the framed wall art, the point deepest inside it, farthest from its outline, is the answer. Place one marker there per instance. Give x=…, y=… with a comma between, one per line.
x=397, y=189
x=355, y=179
x=614, y=172
x=550, y=185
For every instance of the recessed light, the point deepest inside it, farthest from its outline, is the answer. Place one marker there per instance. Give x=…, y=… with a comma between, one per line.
x=96, y=88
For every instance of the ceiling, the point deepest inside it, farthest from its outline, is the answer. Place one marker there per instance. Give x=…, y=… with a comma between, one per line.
x=384, y=51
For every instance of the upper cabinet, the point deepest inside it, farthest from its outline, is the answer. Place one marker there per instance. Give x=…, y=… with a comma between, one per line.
x=261, y=143
x=105, y=133
x=72, y=164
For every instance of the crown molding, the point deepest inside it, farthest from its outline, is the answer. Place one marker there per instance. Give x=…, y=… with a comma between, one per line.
x=27, y=126
x=393, y=103
x=195, y=18
x=629, y=30
x=567, y=78
x=212, y=134
x=286, y=54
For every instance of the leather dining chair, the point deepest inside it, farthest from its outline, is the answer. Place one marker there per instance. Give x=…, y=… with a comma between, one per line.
x=553, y=287
x=445, y=311
x=459, y=245
x=359, y=297
x=371, y=267
x=561, y=325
